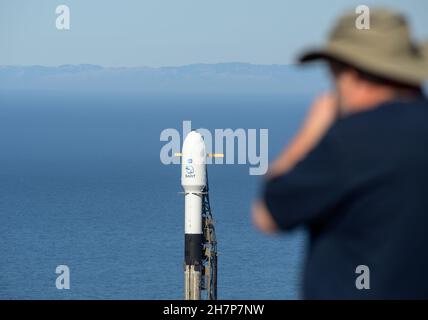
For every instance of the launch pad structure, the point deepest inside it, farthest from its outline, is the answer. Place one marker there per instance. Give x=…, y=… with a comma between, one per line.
x=209, y=262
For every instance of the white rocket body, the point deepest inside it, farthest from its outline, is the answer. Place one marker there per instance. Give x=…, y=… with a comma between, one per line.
x=193, y=180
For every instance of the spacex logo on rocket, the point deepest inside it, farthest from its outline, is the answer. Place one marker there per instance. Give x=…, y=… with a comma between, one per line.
x=190, y=171
x=238, y=146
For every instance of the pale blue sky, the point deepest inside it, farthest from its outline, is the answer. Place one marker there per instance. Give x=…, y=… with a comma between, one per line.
x=174, y=32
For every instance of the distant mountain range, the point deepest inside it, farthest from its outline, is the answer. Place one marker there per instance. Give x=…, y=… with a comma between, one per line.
x=221, y=78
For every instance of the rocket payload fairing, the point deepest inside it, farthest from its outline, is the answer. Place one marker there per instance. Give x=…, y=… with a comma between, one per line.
x=200, y=247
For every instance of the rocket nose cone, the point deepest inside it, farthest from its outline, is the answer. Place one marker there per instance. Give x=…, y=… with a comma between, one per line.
x=194, y=145
x=193, y=137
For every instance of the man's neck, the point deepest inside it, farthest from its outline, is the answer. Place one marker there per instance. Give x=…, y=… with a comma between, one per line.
x=382, y=95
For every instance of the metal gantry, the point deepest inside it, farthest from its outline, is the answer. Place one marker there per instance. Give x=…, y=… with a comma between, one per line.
x=209, y=262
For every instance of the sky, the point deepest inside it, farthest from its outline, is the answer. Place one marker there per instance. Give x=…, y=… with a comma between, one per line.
x=155, y=33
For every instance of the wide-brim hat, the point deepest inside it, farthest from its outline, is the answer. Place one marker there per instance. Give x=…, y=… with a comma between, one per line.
x=385, y=49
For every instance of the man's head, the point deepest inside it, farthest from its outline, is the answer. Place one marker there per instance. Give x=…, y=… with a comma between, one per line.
x=358, y=90
x=372, y=65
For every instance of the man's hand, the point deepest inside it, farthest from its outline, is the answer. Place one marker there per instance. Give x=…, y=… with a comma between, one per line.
x=262, y=218
x=321, y=116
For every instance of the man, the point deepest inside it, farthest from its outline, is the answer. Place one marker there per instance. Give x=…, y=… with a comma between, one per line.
x=356, y=175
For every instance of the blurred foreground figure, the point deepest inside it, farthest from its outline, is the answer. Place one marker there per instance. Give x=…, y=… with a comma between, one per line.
x=356, y=175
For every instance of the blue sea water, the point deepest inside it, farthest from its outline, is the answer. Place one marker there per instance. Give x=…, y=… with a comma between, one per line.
x=81, y=184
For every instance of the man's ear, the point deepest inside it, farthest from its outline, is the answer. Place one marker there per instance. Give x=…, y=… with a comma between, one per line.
x=352, y=76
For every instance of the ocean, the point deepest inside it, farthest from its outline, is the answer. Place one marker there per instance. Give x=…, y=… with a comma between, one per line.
x=82, y=185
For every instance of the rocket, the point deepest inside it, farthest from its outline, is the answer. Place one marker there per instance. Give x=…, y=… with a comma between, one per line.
x=200, y=250
x=193, y=180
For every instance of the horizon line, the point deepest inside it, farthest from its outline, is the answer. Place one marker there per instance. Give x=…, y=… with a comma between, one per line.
x=146, y=67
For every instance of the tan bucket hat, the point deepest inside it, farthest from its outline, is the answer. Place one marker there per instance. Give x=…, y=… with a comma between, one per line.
x=385, y=50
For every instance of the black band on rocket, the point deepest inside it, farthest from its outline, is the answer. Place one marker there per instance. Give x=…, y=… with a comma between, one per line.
x=193, y=249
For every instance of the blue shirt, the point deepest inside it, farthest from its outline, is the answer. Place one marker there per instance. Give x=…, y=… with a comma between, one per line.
x=363, y=194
